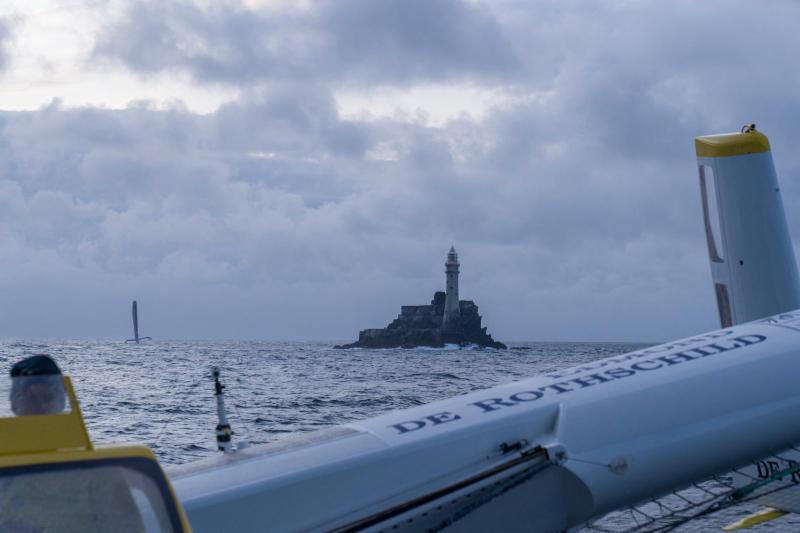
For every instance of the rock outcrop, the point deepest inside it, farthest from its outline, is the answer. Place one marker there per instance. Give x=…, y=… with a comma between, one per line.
x=421, y=325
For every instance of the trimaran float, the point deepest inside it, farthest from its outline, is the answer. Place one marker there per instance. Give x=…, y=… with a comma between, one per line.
x=551, y=453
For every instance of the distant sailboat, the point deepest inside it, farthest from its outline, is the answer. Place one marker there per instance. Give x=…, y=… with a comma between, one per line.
x=136, y=337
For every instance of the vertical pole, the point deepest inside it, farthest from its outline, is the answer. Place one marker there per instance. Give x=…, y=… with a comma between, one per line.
x=224, y=432
x=135, y=323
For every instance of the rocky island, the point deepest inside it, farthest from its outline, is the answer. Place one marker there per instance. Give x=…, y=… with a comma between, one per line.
x=447, y=320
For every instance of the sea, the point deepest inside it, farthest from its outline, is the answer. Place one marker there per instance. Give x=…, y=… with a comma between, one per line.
x=161, y=393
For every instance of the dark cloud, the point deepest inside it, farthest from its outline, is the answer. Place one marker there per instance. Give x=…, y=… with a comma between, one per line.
x=575, y=205
x=344, y=41
x=263, y=203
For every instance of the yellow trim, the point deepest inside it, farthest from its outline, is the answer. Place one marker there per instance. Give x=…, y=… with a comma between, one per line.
x=730, y=144
x=100, y=453
x=62, y=438
x=104, y=452
x=764, y=515
x=46, y=433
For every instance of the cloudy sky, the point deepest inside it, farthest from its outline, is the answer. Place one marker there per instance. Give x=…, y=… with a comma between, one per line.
x=298, y=170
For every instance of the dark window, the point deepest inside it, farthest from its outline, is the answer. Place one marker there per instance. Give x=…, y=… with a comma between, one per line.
x=711, y=218
x=724, y=305
x=120, y=495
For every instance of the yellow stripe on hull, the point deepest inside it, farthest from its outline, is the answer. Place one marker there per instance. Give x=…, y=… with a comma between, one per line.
x=765, y=515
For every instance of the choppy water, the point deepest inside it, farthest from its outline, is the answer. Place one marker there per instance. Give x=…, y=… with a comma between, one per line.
x=161, y=393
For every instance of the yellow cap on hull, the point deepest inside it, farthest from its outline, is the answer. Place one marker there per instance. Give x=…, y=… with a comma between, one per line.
x=730, y=144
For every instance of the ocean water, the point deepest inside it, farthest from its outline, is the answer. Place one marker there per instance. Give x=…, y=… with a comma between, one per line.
x=161, y=393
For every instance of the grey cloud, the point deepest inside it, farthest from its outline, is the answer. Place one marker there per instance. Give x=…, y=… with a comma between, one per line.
x=575, y=208
x=343, y=41
x=119, y=203
x=5, y=38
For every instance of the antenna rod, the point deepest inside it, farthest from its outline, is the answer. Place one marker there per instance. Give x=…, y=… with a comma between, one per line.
x=224, y=432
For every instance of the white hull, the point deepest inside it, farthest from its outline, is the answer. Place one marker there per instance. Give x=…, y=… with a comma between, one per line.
x=579, y=443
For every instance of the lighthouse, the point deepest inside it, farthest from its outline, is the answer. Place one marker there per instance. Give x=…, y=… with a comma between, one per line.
x=451, y=306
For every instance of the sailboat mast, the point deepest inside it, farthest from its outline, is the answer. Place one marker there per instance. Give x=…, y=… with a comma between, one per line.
x=135, y=323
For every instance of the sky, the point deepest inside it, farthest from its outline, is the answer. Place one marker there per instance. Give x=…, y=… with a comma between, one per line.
x=299, y=169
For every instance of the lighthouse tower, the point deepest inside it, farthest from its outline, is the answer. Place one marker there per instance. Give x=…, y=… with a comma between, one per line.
x=451, y=307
